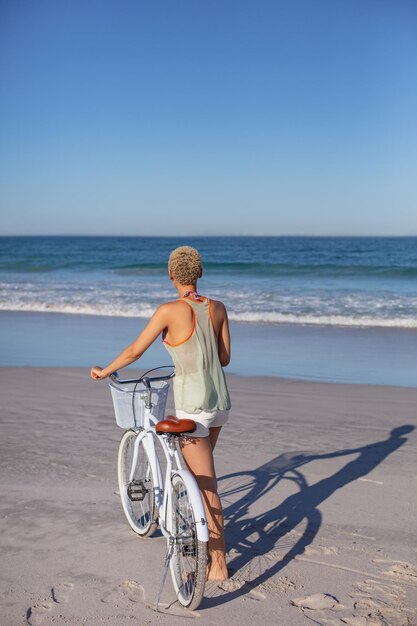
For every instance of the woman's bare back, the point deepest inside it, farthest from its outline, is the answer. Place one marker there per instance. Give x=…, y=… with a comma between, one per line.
x=181, y=323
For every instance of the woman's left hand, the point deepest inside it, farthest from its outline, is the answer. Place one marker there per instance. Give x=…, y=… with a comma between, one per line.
x=96, y=373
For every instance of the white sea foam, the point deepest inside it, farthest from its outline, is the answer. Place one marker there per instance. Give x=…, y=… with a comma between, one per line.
x=323, y=320
x=259, y=317
x=79, y=309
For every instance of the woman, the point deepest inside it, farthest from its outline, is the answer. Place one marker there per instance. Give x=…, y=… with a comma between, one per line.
x=195, y=331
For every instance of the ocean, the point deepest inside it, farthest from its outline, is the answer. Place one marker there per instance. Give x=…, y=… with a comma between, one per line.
x=278, y=286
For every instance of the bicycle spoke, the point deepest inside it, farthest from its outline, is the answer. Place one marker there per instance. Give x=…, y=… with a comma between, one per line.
x=138, y=498
x=188, y=565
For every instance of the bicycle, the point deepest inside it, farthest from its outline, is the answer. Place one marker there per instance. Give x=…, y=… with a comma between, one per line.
x=151, y=497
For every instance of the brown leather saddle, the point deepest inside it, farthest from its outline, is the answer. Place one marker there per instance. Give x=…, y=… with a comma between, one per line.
x=175, y=426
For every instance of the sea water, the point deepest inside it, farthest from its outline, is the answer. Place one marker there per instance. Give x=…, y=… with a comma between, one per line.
x=337, y=289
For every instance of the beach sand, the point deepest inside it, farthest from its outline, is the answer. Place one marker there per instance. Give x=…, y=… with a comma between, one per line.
x=318, y=483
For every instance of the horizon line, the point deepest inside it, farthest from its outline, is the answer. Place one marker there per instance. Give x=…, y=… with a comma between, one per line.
x=224, y=236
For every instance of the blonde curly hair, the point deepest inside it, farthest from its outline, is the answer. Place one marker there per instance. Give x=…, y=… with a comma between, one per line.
x=185, y=264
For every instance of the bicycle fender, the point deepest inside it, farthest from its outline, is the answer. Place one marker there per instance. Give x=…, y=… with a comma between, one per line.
x=194, y=491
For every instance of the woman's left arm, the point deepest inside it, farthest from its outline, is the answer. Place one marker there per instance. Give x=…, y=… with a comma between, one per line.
x=155, y=326
x=224, y=340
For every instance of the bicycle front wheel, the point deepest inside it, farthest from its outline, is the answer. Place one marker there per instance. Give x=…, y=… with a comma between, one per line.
x=189, y=558
x=138, y=495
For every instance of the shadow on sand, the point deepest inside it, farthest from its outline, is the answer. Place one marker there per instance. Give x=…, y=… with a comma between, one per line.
x=253, y=538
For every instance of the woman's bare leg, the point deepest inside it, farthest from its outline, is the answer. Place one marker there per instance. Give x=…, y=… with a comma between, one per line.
x=198, y=455
x=214, y=435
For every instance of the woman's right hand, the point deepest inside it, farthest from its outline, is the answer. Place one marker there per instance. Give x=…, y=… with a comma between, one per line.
x=95, y=373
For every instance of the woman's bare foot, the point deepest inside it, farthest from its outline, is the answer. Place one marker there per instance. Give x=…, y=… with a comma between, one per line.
x=216, y=574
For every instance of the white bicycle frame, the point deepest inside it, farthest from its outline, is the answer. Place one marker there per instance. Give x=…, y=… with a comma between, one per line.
x=163, y=494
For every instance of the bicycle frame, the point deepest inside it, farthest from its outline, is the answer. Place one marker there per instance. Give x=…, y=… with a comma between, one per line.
x=163, y=496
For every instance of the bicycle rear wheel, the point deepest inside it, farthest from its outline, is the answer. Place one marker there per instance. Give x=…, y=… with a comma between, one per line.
x=137, y=496
x=189, y=558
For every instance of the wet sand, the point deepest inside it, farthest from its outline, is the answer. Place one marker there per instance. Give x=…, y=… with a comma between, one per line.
x=377, y=356
x=318, y=484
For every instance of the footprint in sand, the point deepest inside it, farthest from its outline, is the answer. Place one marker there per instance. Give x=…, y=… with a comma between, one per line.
x=370, y=604
x=401, y=570
x=231, y=584
x=36, y=614
x=285, y=584
x=278, y=586
x=316, y=601
x=385, y=617
x=128, y=591
x=61, y=592
x=378, y=604
x=369, y=587
x=315, y=550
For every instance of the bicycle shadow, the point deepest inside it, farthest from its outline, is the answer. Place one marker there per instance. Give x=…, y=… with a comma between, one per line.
x=253, y=538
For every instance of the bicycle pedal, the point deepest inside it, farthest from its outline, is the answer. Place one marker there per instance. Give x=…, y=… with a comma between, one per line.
x=137, y=491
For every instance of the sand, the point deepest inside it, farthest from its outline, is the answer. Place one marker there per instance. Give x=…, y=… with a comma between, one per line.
x=318, y=483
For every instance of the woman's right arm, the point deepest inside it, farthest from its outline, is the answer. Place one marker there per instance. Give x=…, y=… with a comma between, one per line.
x=155, y=326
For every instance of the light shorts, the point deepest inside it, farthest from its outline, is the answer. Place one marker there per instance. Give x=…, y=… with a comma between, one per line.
x=204, y=420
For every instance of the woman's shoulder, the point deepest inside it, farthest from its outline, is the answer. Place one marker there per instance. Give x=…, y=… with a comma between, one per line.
x=218, y=309
x=218, y=304
x=171, y=307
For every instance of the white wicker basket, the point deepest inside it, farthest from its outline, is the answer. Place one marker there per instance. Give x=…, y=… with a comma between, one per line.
x=129, y=402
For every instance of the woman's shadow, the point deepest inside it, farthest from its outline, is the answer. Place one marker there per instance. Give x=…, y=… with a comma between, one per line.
x=256, y=536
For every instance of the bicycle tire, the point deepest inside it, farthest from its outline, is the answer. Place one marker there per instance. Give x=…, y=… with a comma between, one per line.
x=138, y=498
x=189, y=558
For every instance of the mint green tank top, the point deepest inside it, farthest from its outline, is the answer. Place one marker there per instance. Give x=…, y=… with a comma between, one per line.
x=199, y=383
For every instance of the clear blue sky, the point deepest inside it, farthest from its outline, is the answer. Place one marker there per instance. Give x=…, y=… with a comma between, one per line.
x=208, y=117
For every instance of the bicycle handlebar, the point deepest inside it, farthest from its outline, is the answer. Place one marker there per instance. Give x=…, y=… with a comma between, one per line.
x=146, y=380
